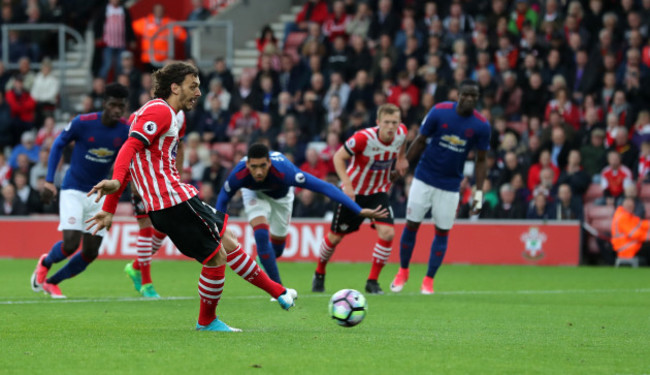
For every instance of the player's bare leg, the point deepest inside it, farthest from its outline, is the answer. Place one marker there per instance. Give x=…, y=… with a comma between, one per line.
x=211, y=282
x=247, y=268
x=380, y=255
x=327, y=248
x=407, y=243
x=60, y=251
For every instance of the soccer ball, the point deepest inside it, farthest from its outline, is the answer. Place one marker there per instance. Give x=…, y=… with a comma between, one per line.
x=348, y=307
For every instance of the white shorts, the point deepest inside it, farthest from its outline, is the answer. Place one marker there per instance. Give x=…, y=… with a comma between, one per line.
x=75, y=208
x=276, y=211
x=443, y=204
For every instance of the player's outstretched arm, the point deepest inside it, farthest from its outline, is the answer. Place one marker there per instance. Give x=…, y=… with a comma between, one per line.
x=105, y=187
x=308, y=181
x=416, y=148
x=100, y=221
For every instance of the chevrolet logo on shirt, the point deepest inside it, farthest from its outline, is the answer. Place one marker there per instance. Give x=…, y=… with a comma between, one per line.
x=101, y=152
x=454, y=140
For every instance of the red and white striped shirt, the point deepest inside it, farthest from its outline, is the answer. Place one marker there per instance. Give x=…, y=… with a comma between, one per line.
x=114, y=27
x=372, y=160
x=153, y=169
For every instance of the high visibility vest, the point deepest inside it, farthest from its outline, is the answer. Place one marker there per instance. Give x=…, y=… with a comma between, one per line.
x=146, y=28
x=628, y=233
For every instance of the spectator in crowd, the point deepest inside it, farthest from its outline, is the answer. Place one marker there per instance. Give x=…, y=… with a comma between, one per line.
x=25, y=73
x=146, y=27
x=359, y=23
x=644, y=162
x=214, y=123
x=26, y=147
x=215, y=174
x=629, y=153
x=10, y=204
x=221, y=70
x=509, y=96
x=114, y=33
x=309, y=204
x=22, y=107
x=313, y=164
x=97, y=94
x=6, y=125
x=198, y=13
x=593, y=154
x=264, y=130
x=383, y=21
x=40, y=168
x=45, y=91
x=404, y=86
x=207, y=195
x=522, y=194
x=362, y=91
x=539, y=208
x=217, y=90
x=312, y=11
x=336, y=22
x=535, y=169
x=614, y=177
x=311, y=118
x=508, y=207
x=567, y=206
x=243, y=122
x=574, y=175
x=631, y=192
x=264, y=99
x=26, y=194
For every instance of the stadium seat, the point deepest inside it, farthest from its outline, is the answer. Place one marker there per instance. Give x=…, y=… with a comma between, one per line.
x=294, y=40
x=225, y=149
x=594, y=191
x=646, y=204
x=603, y=226
x=595, y=212
x=644, y=192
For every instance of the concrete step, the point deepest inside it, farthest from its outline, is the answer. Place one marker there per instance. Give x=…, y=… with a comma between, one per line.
x=287, y=18
x=251, y=44
x=77, y=81
x=246, y=53
x=245, y=62
x=296, y=9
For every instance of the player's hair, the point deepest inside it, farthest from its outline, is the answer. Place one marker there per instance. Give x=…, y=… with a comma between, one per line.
x=257, y=151
x=117, y=91
x=174, y=72
x=387, y=109
x=468, y=82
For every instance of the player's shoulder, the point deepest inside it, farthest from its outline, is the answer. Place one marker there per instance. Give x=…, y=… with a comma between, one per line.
x=477, y=115
x=444, y=105
x=156, y=108
x=87, y=117
x=239, y=171
x=402, y=129
x=280, y=161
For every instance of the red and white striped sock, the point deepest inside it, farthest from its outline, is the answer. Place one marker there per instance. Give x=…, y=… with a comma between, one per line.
x=326, y=250
x=157, y=240
x=144, y=254
x=380, y=256
x=211, y=284
x=247, y=268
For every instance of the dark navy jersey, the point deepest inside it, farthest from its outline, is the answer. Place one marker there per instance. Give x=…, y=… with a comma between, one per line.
x=95, y=149
x=282, y=175
x=450, y=137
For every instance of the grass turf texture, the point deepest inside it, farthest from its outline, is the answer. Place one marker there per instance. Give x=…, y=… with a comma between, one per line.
x=482, y=319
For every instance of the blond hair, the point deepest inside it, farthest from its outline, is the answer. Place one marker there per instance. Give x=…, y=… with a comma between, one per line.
x=388, y=109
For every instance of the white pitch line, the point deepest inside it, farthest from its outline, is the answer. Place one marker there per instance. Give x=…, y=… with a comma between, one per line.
x=302, y=296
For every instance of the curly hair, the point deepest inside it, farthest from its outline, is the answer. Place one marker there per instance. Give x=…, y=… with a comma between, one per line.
x=174, y=72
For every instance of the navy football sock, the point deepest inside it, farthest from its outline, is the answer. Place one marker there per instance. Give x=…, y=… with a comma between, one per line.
x=278, y=247
x=265, y=252
x=55, y=255
x=406, y=245
x=438, y=250
x=75, y=266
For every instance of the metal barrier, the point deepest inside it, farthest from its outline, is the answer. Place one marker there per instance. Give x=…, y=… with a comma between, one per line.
x=193, y=26
x=61, y=63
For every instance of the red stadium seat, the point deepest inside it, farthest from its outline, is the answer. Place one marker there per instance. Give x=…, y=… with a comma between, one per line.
x=294, y=40
x=644, y=193
x=225, y=149
x=594, y=191
x=595, y=212
x=603, y=226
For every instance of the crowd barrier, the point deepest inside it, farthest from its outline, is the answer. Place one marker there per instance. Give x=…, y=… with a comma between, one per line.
x=483, y=242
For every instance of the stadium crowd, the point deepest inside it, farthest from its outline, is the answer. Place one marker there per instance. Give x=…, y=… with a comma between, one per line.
x=564, y=84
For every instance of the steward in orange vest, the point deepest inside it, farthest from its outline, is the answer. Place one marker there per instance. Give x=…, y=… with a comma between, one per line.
x=629, y=232
x=147, y=26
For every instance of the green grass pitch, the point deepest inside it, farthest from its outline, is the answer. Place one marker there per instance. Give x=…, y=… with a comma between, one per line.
x=482, y=320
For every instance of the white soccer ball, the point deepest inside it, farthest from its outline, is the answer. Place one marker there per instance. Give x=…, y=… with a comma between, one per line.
x=348, y=307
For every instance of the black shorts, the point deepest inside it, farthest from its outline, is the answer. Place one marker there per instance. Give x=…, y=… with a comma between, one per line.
x=139, y=210
x=346, y=221
x=193, y=226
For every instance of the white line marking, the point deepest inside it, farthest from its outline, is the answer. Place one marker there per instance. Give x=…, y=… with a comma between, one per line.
x=312, y=295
